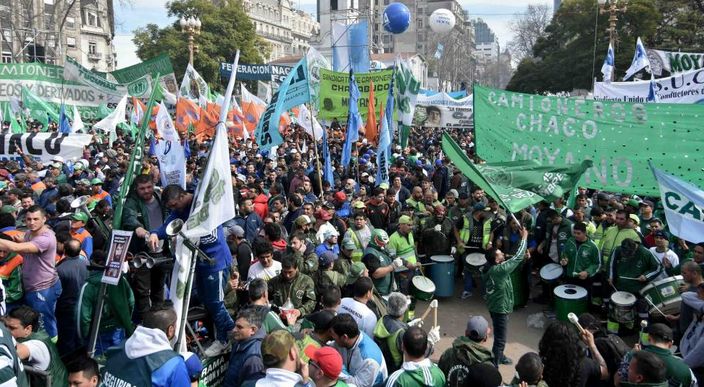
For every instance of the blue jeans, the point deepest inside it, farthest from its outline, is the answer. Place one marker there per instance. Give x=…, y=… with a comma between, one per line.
x=468, y=280
x=211, y=292
x=500, y=323
x=44, y=302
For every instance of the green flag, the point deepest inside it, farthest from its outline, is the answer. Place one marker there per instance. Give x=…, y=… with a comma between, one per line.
x=516, y=184
x=103, y=111
x=39, y=109
x=9, y=116
x=404, y=132
x=135, y=163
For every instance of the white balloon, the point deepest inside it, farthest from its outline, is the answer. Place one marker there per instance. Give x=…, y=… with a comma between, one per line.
x=442, y=20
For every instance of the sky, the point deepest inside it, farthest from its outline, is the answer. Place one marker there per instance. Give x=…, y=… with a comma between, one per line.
x=497, y=15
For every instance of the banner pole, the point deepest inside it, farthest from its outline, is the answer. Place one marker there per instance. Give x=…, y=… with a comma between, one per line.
x=315, y=145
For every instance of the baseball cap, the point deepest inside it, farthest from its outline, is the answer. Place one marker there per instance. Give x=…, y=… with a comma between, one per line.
x=303, y=220
x=321, y=319
x=4, y=172
x=661, y=331
x=327, y=258
x=660, y=234
x=635, y=219
x=236, y=231
x=56, y=165
x=647, y=203
x=477, y=327
x=328, y=359
x=453, y=192
x=633, y=203
x=80, y=216
x=330, y=233
x=340, y=196
x=356, y=271
x=78, y=166
x=405, y=219
x=348, y=244
x=276, y=347
x=83, y=182
x=359, y=204
x=323, y=215
x=57, y=159
x=96, y=181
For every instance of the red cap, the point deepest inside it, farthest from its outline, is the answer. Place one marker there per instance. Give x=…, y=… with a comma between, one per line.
x=4, y=173
x=323, y=215
x=340, y=196
x=328, y=359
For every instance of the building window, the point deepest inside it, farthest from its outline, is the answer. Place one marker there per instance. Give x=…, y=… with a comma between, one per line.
x=70, y=22
x=71, y=42
x=333, y=5
x=51, y=41
x=92, y=48
x=6, y=57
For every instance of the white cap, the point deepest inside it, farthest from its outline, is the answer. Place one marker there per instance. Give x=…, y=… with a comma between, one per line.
x=58, y=159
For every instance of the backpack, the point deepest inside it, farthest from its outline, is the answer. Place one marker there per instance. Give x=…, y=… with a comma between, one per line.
x=612, y=348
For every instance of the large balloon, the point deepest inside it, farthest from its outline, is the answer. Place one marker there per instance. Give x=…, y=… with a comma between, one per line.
x=397, y=18
x=442, y=20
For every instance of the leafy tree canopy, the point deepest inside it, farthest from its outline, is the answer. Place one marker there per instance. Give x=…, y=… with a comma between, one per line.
x=225, y=28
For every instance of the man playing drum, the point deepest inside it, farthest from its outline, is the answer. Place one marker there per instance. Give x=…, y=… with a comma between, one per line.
x=631, y=267
x=580, y=258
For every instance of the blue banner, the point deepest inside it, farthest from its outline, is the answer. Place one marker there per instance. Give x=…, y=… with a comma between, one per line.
x=383, y=153
x=354, y=120
x=255, y=72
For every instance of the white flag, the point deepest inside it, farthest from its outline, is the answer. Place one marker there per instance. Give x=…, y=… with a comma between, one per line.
x=109, y=123
x=77, y=122
x=607, y=69
x=683, y=203
x=304, y=120
x=194, y=87
x=640, y=60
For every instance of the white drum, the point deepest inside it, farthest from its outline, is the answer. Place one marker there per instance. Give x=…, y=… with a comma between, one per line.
x=476, y=260
x=551, y=272
x=622, y=307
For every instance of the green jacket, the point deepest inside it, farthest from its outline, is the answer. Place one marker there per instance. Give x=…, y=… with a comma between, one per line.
x=497, y=281
x=117, y=310
x=455, y=361
x=613, y=236
x=12, y=281
x=586, y=257
x=134, y=215
x=564, y=233
x=416, y=374
x=307, y=262
x=643, y=263
x=57, y=370
x=384, y=284
x=301, y=291
x=678, y=373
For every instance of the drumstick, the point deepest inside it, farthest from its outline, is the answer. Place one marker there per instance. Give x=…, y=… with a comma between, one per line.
x=654, y=306
x=574, y=320
x=435, y=312
x=426, y=313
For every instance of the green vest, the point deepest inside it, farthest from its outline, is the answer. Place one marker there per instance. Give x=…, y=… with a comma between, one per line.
x=7, y=349
x=358, y=252
x=123, y=371
x=384, y=284
x=389, y=341
x=403, y=247
x=57, y=370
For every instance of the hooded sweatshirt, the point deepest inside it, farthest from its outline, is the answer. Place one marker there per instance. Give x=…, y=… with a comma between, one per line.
x=422, y=373
x=146, y=354
x=465, y=352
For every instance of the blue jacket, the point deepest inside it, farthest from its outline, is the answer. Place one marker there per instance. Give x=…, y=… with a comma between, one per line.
x=246, y=361
x=213, y=245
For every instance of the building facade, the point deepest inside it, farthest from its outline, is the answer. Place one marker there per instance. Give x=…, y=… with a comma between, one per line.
x=48, y=30
x=287, y=30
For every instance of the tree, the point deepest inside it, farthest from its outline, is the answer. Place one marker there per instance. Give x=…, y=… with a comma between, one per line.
x=225, y=28
x=564, y=59
x=527, y=28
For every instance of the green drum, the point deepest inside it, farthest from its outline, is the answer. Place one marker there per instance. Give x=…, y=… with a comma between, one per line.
x=520, y=287
x=664, y=294
x=422, y=288
x=570, y=299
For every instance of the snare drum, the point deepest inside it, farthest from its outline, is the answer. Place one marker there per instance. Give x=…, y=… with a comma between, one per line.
x=422, y=288
x=664, y=294
x=551, y=272
x=622, y=307
x=476, y=261
x=443, y=274
x=570, y=298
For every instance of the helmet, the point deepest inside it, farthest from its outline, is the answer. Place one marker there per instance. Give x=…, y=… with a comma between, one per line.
x=380, y=236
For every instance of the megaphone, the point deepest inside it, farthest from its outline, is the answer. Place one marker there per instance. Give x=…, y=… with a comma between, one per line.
x=174, y=228
x=81, y=202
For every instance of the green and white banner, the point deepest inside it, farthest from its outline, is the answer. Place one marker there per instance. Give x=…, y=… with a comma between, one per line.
x=335, y=92
x=674, y=62
x=139, y=88
x=618, y=137
x=158, y=66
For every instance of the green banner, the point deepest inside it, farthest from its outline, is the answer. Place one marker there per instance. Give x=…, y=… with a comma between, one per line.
x=158, y=66
x=335, y=94
x=516, y=184
x=619, y=137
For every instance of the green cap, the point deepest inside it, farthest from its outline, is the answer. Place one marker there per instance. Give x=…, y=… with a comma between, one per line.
x=276, y=347
x=80, y=216
x=356, y=271
x=83, y=182
x=405, y=219
x=8, y=209
x=96, y=181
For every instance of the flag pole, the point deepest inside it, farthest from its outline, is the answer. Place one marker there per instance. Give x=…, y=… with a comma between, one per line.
x=315, y=145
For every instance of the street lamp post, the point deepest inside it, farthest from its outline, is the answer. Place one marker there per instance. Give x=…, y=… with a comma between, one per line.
x=612, y=7
x=191, y=27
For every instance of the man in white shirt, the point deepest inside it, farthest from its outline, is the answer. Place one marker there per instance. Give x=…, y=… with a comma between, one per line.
x=265, y=268
x=667, y=258
x=284, y=365
x=357, y=306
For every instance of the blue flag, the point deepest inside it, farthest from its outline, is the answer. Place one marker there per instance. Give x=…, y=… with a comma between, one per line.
x=359, y=47
x=652, y=95
x=383, y=153
x=294, y=91
x=64, y=126
x=607, y=69
x=354, y=120
x=327, y=169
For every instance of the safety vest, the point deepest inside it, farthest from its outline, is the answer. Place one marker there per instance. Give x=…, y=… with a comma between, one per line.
x=466, y=230
x=80, y=235
x=358, y=252
x=10, y=265
x=38, y=187
x=57, y=370
x=123, y=371
x=99, y=196
x=404, y=246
